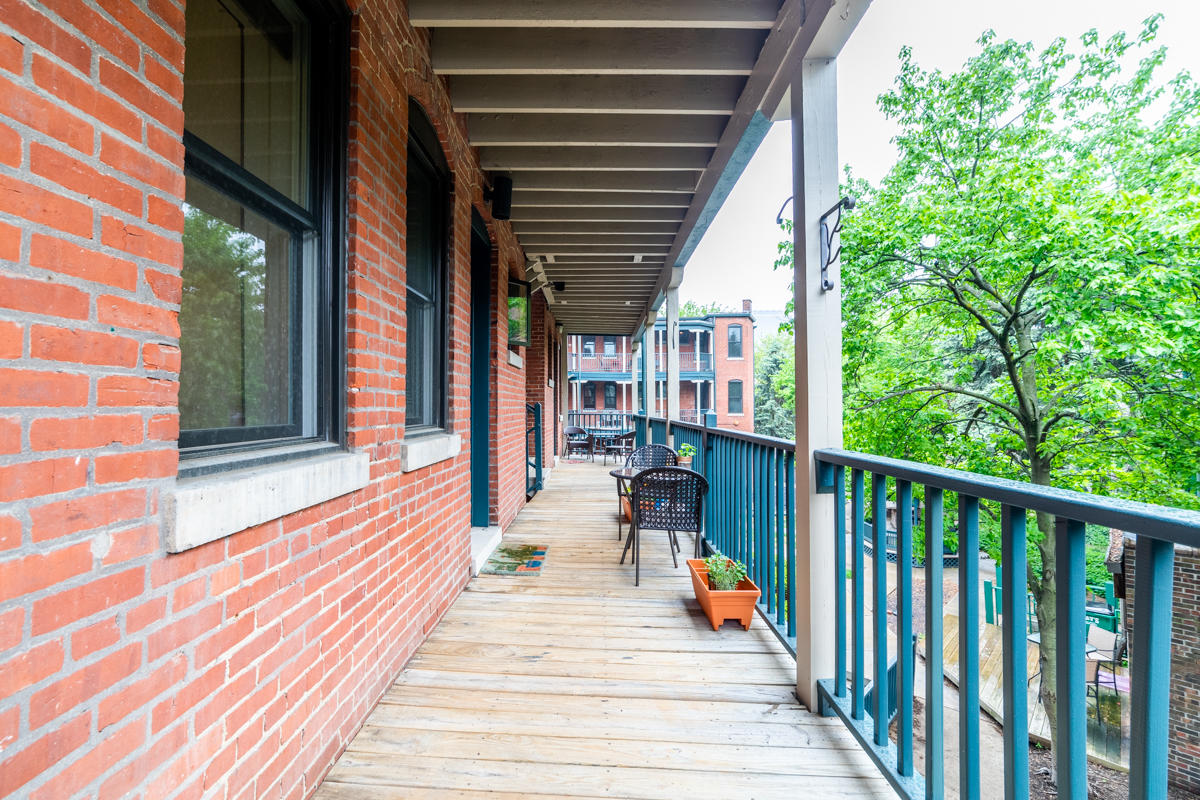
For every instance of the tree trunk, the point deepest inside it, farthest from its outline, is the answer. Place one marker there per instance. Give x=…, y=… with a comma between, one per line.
x=1045, y=592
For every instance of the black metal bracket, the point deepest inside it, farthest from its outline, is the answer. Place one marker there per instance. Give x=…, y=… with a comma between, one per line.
x=828, y=254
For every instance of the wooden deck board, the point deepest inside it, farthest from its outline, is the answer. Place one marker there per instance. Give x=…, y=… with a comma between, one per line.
x=575, y=683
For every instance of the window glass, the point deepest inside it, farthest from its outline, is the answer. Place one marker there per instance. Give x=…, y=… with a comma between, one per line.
x=610, y=395
x=245, y=87
x=610, y=345
x=589, y=395
x=735, y=397
x=589, y=346
x=424, y=268
x=735, y=341
x=237, y=315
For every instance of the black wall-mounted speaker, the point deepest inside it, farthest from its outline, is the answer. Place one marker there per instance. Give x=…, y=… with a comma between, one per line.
x=501, y=197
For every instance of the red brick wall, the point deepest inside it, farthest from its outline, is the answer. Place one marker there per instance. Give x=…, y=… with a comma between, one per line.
x=728, y=369
x=538, y=370
x=1183, y=736
x=239, y=668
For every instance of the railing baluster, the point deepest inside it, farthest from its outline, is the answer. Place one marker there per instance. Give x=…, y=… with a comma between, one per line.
x=1015, y=653
x=780, y=507
x=789, y=474
x=759, y=555
x=968, y=647
x=857, y=497
x=768, y=501
x=879, y=599
x=1070, y=734
x=904, y=636
x=1150, y=661
x=935, y=779
x=839, y=566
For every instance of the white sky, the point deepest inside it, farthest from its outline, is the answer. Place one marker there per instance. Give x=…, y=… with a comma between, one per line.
x=734, y=259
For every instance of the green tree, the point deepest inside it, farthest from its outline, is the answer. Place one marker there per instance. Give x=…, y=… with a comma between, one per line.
x=1021, y=290
x=691, y=308
x=774, y=354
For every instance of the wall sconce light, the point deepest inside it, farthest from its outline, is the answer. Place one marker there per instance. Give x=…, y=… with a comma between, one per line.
x=499, y=194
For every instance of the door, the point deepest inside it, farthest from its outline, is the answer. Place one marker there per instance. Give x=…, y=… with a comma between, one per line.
x=481, y=327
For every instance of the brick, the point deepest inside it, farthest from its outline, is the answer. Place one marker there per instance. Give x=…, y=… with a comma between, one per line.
x=131, y=543
x=186, y=698
x=166, y=144
x=51, y=748
x=12, y=340
x=79, y=514
x=95, y=28
x=140, y=242
x=180, y=566
x=29, y=108
x=167, y=287
x=83, y=95
x=164, y=428
x=30, y=667
x=26, y=19
x=163, y=357
x=184, y=630
x=52, y=613
x=23, y=387
x=81, y=433
x=48, y=252
x=150, y=32
x=129, y=390
x=10, y=147
x=165, y=78
x=40, y=478
x=112, y=310
x=145, y=615
x=62, y=696
x=144, y=464
x=10, y=534
x=43, y=297
x=94, y=638
x=10, y=436
x=12, y=624
x=10, y=242
x=74, y=175
x=12, y=54
x=164, y=213
x=82, y=347
x=42, y=207
x=139, y=694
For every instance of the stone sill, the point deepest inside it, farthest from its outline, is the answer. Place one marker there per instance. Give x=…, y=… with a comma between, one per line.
x=421, y=451
x=210, y=507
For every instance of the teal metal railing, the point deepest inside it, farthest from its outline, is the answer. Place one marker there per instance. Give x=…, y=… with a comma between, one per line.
x=533, y=449
x=871, y=478
x=749, y=513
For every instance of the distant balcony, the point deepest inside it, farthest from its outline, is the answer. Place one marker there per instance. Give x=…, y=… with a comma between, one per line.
x=608, y=364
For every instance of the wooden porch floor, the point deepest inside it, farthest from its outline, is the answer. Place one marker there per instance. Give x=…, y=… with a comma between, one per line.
x=574, y=683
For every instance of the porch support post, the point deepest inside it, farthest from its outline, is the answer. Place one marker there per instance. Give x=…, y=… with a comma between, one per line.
x=818, y=326
x=672, y=334
x=649, y=377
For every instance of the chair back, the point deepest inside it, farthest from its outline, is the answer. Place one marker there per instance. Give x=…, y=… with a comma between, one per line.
x=652, y=455
x=669, y=499
x=574, y=432
x=1104, y=641
x=625, y=440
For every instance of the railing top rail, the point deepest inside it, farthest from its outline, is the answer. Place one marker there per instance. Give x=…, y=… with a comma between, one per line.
x=752, y=438
x=1177, y=525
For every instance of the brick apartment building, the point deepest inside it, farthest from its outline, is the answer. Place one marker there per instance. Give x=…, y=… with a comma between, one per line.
x=716, y=370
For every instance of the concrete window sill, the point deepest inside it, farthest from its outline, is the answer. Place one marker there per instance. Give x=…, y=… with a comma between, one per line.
x=421, y=451
x=209, y=507
x=515, y=359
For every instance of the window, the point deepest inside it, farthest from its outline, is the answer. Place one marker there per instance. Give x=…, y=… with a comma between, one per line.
x=262, y=224
x=589, y=395
x=735, y=397
x=610, y=345
x=427, y=206
x=589, y=345
x=610, y=395
x=735, y=341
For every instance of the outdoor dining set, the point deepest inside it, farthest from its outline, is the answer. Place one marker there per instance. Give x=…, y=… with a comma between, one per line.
x=657, y=493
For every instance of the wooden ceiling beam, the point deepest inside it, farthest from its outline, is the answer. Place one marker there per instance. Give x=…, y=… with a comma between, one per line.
x=592, y=159
x=594, y=228
x=594, y=51
x=597, y=94
x=562, y=214
x=549, y=241
x=529, y=197
x=754, y=14
x=681, y=181
x=622, y=130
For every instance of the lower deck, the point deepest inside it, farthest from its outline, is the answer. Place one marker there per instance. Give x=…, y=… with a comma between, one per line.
x=574, y=683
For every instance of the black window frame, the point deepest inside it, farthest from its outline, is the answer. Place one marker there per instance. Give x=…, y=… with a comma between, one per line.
x=740, y=396
x=610, y=391
x=610, y=340
x=424, y=145
x=589, y=395
x=587, y=346
x=730, y=342
x=328, y=131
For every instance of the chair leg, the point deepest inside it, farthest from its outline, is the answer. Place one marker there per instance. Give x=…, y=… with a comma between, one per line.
x=629, y=541
x=637, y=560
x=670, y=542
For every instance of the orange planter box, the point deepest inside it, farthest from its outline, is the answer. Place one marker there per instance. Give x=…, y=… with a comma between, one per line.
x=719, y=606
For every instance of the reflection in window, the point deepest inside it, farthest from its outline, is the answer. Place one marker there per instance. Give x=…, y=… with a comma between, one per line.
x=589, y=395
x=735, y=341
x=236, y=315
x=735, y=397
x=610, y=395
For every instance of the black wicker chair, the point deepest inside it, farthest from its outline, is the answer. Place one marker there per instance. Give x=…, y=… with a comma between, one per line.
x=667, y=499
x=652, y=455
x=619, y=446
x=579, y=441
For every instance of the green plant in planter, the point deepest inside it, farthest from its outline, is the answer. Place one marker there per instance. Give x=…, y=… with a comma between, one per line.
x=687, y=450
x=724, y=573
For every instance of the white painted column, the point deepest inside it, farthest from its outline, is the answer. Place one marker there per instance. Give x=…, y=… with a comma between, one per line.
x=818, y=321
x=648, y=371
x=672, y=334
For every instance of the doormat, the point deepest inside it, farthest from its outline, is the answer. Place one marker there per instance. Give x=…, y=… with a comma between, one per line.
x=525, y=559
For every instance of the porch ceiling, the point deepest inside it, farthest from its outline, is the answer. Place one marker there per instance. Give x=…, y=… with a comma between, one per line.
x=621, y=125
